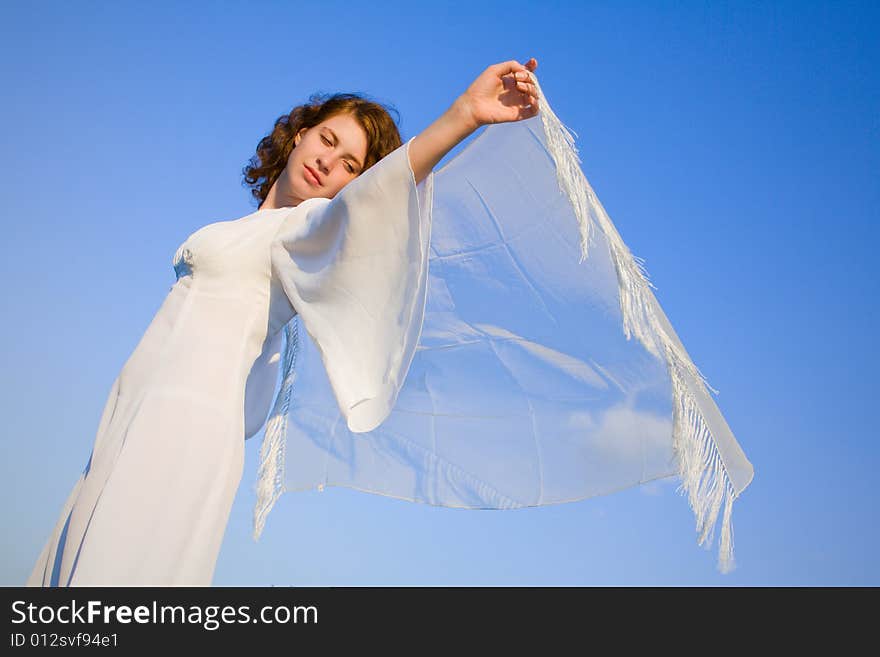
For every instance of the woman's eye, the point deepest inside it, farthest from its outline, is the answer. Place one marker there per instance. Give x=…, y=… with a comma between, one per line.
x=349, y=167
x=326, y=141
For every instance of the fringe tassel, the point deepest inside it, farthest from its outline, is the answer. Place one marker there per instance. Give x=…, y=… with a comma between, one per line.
x=270, y=479
x=701, y=468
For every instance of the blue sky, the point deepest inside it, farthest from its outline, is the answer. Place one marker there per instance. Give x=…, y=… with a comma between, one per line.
x=736, y=146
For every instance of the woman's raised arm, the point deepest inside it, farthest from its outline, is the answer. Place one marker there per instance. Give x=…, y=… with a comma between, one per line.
x=501, y=93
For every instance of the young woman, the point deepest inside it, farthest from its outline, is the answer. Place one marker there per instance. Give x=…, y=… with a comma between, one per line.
x=152, y=504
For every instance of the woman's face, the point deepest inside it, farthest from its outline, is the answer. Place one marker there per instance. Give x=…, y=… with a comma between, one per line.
x=326, y=157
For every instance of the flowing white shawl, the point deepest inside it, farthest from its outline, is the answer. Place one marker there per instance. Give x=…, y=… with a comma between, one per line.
x=468, y=343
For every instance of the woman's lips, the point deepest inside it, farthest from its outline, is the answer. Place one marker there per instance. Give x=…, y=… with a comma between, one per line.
x=311, y=177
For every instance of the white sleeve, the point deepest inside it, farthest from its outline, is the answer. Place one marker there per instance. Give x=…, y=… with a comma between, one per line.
x=355, y=270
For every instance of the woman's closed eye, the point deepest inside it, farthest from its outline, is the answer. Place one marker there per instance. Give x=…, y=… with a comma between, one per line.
x=349, y=167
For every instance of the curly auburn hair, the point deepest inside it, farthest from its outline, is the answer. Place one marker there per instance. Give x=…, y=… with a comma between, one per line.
x=273, y=150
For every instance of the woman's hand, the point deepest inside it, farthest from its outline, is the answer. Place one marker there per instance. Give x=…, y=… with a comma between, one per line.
x=501, y=93
x=494, y=97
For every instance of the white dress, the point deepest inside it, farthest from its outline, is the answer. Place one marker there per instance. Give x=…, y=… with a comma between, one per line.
x=152, y=504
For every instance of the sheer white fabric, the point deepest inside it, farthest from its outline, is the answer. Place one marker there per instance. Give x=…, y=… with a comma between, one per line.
x=524, y=387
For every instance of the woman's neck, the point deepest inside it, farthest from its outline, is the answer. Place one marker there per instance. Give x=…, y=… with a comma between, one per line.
x=276, y=198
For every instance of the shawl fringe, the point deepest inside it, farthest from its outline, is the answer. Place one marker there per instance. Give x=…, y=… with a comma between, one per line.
x=270, y=478
x=700, y=464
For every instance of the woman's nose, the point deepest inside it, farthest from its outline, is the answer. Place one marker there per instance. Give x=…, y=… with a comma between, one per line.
x=325, y=162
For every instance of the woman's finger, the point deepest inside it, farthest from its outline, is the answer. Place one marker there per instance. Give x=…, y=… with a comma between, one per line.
x=527, y=87
x=519, y=80
x=506, y=68
x=514, y=81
